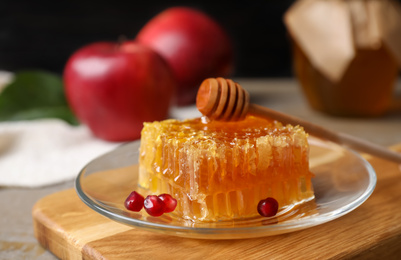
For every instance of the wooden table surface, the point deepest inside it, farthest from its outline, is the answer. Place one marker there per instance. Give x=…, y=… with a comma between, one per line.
x=16, y=237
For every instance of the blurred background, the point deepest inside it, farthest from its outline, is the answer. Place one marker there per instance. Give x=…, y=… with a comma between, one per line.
x=48, y=154
x=43, y=34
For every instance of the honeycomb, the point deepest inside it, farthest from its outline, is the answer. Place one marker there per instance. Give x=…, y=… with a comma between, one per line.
x=220, y=170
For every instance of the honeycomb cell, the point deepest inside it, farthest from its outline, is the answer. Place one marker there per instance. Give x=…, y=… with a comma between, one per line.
x=221, y=170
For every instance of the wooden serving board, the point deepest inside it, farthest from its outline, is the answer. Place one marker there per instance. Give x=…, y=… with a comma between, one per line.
x=71, y=230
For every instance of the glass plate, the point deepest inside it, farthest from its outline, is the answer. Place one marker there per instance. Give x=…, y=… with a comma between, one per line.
x=343, y=181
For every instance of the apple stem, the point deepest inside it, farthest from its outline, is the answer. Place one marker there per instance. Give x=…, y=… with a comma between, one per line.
x=121, y=39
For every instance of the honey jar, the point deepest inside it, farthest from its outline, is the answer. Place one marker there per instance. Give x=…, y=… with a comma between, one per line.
x=346, y=54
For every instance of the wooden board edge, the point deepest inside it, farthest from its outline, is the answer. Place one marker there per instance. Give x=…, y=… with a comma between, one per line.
x=50, y=235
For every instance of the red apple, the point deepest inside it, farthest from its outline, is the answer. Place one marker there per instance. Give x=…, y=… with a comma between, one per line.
x=114, y=88
x=194, y=45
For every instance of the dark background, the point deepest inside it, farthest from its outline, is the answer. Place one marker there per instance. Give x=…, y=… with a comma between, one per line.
x=43, y=34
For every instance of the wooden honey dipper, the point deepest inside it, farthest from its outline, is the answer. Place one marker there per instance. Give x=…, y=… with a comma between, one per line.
x=224, y=99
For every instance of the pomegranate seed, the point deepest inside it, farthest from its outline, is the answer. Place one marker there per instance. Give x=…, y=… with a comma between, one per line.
x=169, y=202
x=268, y=207
x=134, y=201
x=154, y=206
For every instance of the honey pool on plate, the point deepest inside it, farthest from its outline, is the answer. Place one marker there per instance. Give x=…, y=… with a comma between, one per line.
x=221, y=170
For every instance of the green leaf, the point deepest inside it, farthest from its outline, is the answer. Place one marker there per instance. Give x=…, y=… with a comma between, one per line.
x=34, y=95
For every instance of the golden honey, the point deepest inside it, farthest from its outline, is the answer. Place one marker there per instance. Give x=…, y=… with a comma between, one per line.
x=366, y=89
x=221, y=170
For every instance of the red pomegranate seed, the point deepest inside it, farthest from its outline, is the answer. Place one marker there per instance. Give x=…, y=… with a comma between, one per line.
x=169, y=202
x=134, y=201
x=154, y=206
x=268, y=207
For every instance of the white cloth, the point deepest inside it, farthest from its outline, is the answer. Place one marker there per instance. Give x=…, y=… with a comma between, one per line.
x=43, y=152
x=48, y=151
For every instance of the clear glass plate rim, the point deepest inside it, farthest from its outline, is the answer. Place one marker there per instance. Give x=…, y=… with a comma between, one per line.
x=290, y=224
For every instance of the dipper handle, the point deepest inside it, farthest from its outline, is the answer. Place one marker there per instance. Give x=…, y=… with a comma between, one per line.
x=224, y=99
